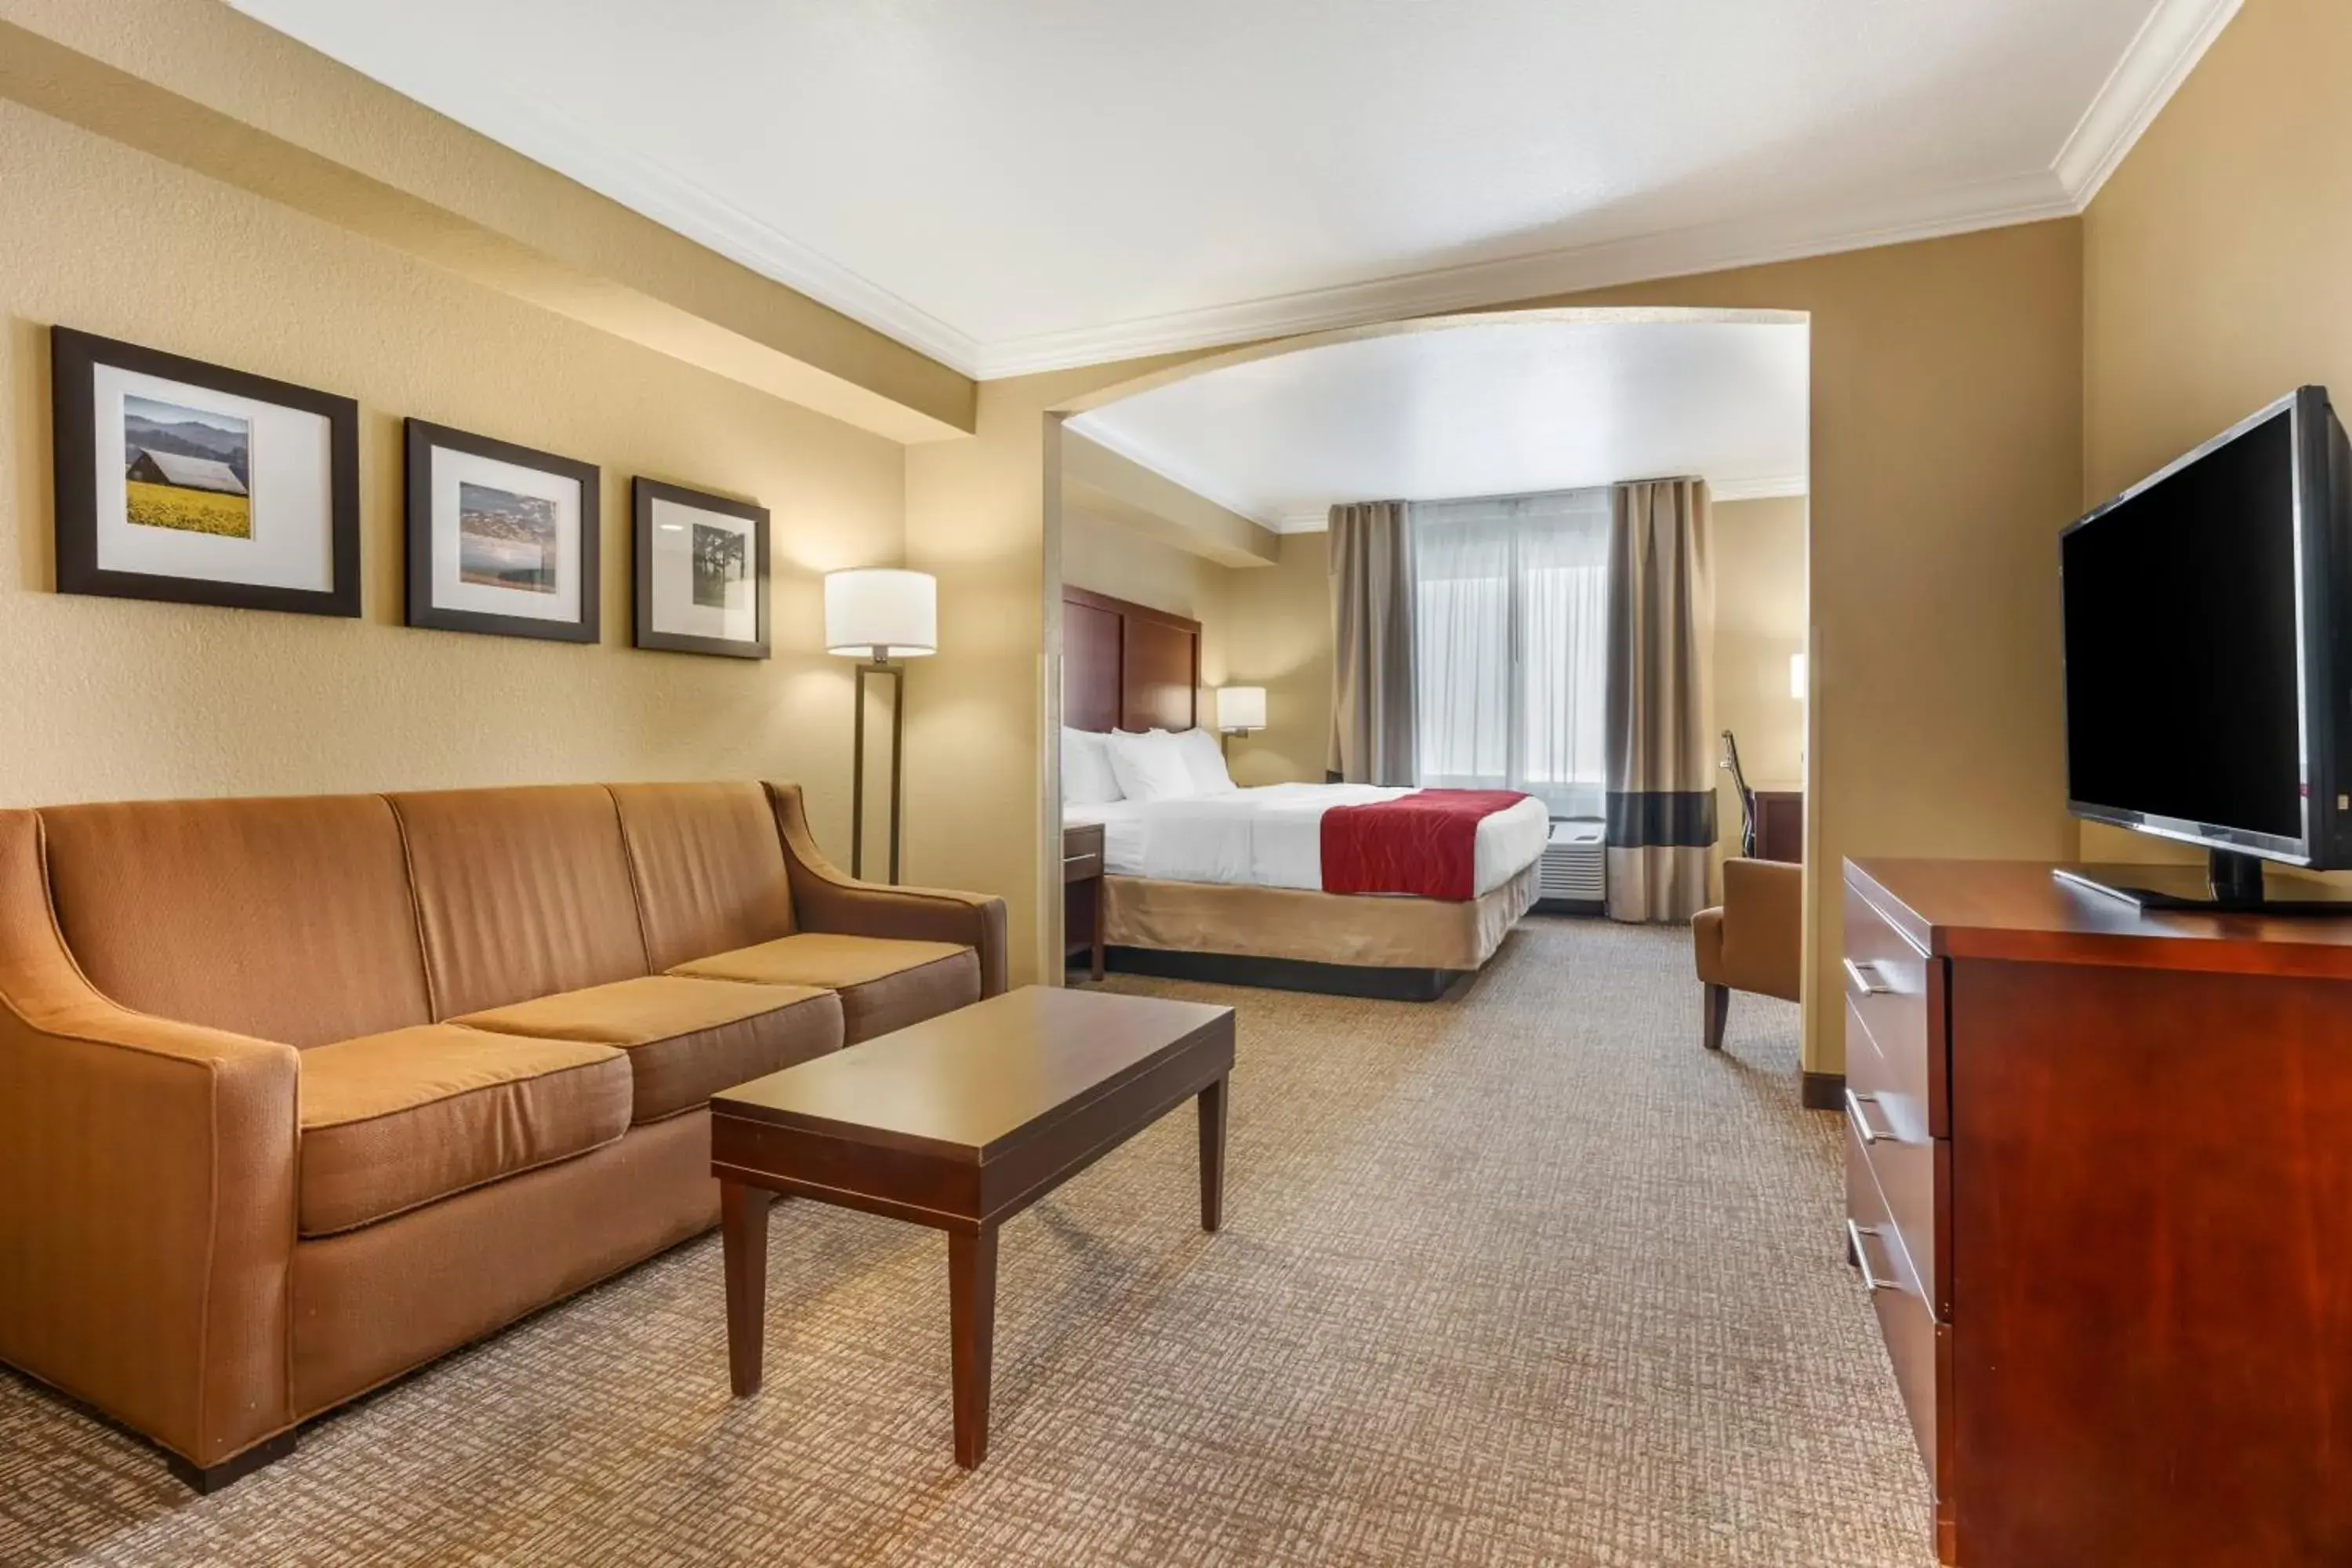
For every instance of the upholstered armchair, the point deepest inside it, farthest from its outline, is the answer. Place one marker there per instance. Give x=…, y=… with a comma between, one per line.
x=1753, y=941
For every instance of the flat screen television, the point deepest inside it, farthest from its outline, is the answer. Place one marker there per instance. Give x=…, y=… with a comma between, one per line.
x=2206, y=691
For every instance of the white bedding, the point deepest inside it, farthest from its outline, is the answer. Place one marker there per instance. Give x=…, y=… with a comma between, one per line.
x=1272, y=837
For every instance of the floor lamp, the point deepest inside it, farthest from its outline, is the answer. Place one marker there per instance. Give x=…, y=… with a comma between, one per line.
x=875, y=614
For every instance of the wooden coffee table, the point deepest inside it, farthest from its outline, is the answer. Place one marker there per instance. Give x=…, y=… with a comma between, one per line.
x=960, y=1122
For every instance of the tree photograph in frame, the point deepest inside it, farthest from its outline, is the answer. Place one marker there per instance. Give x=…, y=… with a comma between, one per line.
x=501, y=539
x=701, y=571
x=197, y=484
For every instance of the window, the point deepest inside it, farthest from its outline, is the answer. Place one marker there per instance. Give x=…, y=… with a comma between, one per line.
x=1510, y=644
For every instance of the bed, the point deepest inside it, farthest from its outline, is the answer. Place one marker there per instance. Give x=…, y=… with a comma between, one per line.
x=1230, y=887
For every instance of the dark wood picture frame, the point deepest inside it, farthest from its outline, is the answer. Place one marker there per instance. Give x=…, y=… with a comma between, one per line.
x=643, y=493
x=423, y=439
x=74, y=359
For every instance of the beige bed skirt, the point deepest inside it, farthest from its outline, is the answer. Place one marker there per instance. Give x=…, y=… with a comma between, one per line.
x=1372, y=931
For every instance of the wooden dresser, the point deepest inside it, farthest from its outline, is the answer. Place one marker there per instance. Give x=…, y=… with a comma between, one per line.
x=2099, y=1186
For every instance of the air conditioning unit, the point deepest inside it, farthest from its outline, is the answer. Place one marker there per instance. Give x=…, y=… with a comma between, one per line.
x=1574, y=879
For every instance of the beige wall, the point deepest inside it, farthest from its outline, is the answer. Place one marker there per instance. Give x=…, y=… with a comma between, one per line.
x=1278, y=635
x=2218, y=263
x=1759, y=621
x=116, y=697
x=1110, y=557
x=1260, y=626
x=985, y=515
x=1116, y=488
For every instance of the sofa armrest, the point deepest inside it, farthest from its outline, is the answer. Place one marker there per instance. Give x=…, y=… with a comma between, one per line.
x=147, y=1193
x=1763, y=927
x=826, y=899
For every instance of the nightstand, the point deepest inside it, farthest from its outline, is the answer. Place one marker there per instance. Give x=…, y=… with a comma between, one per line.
x=1082, y=893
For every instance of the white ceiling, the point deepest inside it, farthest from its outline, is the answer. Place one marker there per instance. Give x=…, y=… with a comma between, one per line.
x=1502, y=408
x=1018, y=184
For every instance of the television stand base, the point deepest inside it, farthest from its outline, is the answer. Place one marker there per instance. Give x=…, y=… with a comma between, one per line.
x=2230, y=884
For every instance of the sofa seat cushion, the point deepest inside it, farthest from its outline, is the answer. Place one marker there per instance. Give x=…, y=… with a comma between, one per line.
x=686, y=1038
x=885, y=983
x=393, y=1121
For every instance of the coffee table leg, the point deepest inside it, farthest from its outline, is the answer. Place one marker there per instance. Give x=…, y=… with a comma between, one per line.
x=1212, y=1155
x=971, y=1323
x=743, y=1225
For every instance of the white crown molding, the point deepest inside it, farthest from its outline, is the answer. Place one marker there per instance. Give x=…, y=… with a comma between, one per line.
x=1713, y=248
x=1303, y=521
x=1766, y=489
x=2170, y=43
x=1205, y=486
x=438, y=78
x=2161, y=56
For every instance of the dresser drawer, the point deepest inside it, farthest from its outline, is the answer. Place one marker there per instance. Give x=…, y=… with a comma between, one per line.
x=1917, y=1343
x=1911, y=1171
x=1896, y=993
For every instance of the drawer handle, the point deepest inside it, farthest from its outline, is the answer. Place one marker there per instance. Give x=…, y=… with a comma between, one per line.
x=1870, y=1280
x=1865, y=979
x=1863, y=1129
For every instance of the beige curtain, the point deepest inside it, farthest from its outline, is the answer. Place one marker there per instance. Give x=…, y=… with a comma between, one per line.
x=1660, y=767
x=1371, y=644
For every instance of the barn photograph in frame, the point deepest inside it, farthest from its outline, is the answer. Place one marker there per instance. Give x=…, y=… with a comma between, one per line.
x=501, y=539
x=197, y=484
x=701, y=571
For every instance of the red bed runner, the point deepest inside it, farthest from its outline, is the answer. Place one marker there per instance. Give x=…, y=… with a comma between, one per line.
x=1425, y=844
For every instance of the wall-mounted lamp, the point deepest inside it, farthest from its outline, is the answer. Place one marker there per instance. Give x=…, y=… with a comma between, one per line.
x=1797, y=677
x=874, y=614
x=1240, y=708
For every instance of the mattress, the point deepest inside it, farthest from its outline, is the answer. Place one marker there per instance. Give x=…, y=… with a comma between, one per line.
x=1272, y=837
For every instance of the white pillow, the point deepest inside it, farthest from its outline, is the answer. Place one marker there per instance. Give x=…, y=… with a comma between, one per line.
x=1087, y=778
x=1151, y=767
x=1204, y=759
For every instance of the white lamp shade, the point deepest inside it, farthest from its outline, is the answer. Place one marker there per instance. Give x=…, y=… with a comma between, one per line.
x=1240, y=707
x=1797, y=676
x=881, y=612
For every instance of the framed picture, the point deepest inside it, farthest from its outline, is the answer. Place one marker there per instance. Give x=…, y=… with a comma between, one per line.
x=702, y=571
x=188, y=482
x=501, y=539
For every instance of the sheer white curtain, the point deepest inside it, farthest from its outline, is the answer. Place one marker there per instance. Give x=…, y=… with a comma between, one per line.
x=1510, y=642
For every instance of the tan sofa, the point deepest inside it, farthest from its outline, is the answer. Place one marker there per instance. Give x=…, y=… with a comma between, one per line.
x=1753, y=941
x=298, y=1094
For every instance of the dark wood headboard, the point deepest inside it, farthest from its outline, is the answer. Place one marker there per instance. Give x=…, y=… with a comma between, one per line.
x=1127, y=666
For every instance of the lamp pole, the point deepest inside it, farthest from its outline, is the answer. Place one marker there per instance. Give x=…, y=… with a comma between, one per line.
x=870, y=670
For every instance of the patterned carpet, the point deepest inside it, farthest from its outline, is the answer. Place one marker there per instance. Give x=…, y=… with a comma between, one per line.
x=1522, y=1276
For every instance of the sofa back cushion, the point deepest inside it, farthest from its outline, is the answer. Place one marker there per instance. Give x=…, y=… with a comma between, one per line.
x=709, y=867
x=520, y=893
x=286, y=918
